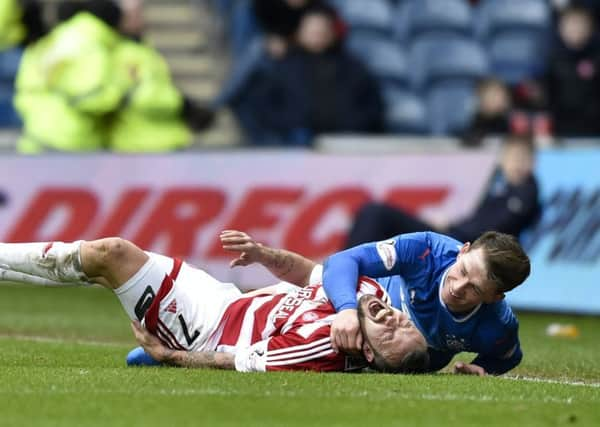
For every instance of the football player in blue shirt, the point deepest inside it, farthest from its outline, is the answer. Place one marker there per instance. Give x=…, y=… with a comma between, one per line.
x=453, y=292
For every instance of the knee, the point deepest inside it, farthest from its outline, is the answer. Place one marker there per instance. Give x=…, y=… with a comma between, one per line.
x=105, y=253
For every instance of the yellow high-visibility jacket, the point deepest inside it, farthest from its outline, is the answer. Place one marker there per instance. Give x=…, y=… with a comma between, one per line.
x=12, y=30
x=150, y=118
x=68, y=87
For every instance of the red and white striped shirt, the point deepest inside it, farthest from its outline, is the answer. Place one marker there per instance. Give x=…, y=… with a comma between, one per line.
x=287, y=331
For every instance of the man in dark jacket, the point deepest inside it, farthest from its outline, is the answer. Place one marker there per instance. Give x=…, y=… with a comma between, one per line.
x=573, y=78
x=509, y=205
x=316, y=87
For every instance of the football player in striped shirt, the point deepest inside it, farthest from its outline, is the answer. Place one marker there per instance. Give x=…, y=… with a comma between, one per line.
x=183, y=316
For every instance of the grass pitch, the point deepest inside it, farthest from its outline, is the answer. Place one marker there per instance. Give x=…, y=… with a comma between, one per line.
x=62, y=363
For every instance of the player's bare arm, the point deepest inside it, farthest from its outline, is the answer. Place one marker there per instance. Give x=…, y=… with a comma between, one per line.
x=185, y=359
x=285, y=265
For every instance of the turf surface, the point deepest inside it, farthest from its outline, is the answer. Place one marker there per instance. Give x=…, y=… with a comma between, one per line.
x=62, y=357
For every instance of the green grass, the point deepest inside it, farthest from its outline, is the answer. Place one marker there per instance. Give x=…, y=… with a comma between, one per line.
x=62, y=357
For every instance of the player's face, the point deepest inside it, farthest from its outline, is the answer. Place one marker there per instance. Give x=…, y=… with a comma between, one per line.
x=387, y=332
x=467, y=284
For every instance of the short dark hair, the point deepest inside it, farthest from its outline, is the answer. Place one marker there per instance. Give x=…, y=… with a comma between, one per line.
x=523, y=140
x=578, y=8
x=505, y=259
x=415, y=362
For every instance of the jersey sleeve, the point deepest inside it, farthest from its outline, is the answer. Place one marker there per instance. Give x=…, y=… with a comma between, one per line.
x=316, y=275
x=405, y=254
x=304, y=348
x=502, y=351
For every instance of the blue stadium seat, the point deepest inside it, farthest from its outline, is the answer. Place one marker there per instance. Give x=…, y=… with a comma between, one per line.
x=8, y=115
x=385, y=59
x=243, y=26
x=516, y=34
x=417, y=17
x=405, y=112
x=434, y=59
x=515, y=57
x=372, y=17
x=9, y=65
x=497, y=16
x=451, y=109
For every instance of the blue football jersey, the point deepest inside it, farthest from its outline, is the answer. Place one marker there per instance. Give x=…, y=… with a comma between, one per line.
x=412, y=267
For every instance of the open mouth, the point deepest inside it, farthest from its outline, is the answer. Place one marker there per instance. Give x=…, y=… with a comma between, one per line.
x=455, y=296
x=377, y=310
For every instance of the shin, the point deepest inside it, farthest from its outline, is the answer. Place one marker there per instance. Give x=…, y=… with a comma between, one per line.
x=57, y=262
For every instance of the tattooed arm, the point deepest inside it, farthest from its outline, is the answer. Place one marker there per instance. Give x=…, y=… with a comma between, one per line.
x=186, y=359
x=285, y=265
x=199, y=359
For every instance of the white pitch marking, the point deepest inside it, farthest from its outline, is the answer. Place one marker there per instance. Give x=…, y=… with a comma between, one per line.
x=551, y=381
x=445, y=397
x=52, y=340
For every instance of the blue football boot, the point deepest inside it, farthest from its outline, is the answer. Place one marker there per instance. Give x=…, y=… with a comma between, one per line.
x=138, y=357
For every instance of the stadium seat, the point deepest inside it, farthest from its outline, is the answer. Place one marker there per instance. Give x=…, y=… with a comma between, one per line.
x=494, y=17
x=450, y=109
x=8, y=116
x=516, y=34
x=417, y=17
x=384, y=58
x=405, y=112
x=9, y=65
x=515, y=57
x=243, y=26
x=372, y=18
x=434, y=59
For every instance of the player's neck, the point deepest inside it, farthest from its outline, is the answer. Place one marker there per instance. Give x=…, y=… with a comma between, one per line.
x=460, y=311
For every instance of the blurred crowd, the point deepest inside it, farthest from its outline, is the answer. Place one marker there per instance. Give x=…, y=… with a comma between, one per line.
x=303, y=68
x=90, y=82
x=425, y=67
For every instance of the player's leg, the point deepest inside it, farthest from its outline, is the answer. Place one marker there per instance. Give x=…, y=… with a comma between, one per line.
x=379, y=221
x=53, y=262
x=109, y=262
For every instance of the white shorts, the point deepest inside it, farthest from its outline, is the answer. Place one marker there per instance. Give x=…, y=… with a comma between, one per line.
x=180, y=304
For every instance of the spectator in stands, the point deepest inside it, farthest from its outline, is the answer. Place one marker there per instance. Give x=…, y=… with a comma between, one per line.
x=86, y=87
x=493, y=112
x=572, y=83
x=509, y=205
x=316, y=87
x=280, y=20
x=265, y=33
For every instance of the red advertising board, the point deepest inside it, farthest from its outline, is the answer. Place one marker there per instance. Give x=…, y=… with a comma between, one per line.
x=177, y=204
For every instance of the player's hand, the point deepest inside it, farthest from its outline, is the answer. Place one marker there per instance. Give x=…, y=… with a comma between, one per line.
x=346, y=335
x=468, y=369
x=149, y=342
x=237, y=241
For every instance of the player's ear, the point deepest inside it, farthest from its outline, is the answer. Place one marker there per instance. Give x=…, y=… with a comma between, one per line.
x=499, y=296
x=368, y=352
x=465, y=248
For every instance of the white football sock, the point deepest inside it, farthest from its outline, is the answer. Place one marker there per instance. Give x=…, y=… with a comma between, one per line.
x=56, y=261
x=18, y=277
